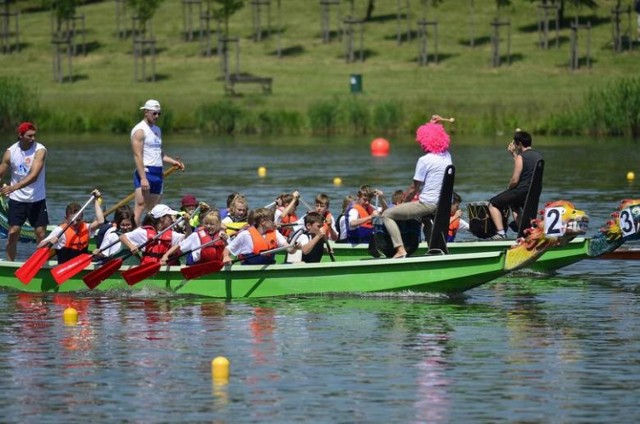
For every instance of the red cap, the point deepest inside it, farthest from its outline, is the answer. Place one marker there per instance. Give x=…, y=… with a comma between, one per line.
x=24, y=127
x=189, y=200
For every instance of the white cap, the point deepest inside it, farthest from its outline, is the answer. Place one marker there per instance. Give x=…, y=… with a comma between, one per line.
x=159, y=211
x=151, y=104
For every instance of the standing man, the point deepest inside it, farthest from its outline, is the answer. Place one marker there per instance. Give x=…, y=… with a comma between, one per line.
x=27, y=194
x=148, y=156
x=524, y=166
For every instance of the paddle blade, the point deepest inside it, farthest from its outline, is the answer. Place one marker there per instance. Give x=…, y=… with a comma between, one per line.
x=97, y=276
x=198, y=270
x=63, y=272
x=136, y=274
x=30, y=268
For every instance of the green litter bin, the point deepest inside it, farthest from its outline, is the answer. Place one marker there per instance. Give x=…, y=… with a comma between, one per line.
x=356, y=83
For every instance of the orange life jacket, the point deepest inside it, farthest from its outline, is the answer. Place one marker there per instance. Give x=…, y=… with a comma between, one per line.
x=327, y=227
x=288, y=219
x=76, y=243
x=363, y=213
x=453, y=229
x=260, y=244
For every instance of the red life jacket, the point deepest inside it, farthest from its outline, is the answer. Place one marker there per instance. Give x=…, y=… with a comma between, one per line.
x=157, y=248
x=76, y=242
x=213, y=252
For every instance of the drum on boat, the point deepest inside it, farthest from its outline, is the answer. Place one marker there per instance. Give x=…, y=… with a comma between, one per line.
x=480, y=223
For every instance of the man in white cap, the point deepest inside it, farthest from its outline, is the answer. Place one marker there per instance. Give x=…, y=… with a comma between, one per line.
x=148, y=156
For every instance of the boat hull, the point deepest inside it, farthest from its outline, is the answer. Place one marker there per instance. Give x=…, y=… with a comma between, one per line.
x=448, y=274
x=553, y=259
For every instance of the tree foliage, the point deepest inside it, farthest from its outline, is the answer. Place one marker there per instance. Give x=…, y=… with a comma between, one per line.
x=224, y=9
x=144, y=10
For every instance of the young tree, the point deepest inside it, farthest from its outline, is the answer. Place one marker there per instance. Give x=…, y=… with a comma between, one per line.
x=144, y=11
x=225, y=10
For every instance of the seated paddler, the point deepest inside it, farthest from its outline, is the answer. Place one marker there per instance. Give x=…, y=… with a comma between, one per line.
x=74, y=240
x=261, y=236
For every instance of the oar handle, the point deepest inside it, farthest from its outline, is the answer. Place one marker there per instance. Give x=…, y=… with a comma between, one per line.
x=306, y=205
x=130, y=197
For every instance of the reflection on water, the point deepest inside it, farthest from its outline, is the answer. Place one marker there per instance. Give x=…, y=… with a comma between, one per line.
x=536, y=348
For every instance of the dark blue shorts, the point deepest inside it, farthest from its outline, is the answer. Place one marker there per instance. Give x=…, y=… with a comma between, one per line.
x=154, y=176
x=35, y=213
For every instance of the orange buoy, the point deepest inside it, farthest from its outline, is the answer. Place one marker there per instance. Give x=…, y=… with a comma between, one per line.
x=379, y=147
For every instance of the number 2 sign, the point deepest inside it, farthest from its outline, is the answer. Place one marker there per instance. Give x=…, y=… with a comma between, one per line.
x=553, y=226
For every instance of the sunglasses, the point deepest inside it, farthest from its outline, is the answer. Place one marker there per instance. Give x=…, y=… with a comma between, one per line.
x=154, y=113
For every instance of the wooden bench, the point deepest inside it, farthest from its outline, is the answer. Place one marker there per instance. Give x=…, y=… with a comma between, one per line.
x=264, y=82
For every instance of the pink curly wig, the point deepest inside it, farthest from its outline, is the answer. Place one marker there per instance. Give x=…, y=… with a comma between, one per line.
x=432, y=138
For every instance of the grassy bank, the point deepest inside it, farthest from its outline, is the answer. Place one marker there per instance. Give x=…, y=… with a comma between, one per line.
x=311, y=81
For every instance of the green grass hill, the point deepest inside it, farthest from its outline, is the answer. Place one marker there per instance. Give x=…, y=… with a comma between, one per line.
x=311, y=80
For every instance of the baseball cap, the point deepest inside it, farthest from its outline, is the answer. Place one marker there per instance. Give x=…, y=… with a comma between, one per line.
x=151, y=105
x=159, y=211
x=189, y=200
x=24, y=127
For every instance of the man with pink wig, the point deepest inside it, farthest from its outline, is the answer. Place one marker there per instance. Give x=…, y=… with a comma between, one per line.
x=427, y=180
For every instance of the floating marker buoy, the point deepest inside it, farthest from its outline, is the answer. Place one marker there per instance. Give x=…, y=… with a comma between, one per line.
x=379, y=147
x=631, y=176
x=337, y=181
x=220, y=368
x=70, y=316
x=262, y=172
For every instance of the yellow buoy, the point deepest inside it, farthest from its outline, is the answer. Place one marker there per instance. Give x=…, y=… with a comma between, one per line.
x=70, y=315
x=631, y=176
x=337, y=181
x=262, y=171
x=220, y=368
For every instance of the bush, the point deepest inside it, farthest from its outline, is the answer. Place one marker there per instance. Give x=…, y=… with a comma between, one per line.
x=18, y=102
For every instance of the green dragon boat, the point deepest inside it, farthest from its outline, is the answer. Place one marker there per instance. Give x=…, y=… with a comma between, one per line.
x=442, y=274
x=553, y=259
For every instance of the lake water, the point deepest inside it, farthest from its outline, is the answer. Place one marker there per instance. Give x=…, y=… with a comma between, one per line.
x=524, y=348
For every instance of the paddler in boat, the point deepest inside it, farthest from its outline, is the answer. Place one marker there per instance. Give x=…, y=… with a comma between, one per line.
x=456, y=223
x=322, y=207
x=310, y=242
x=236, y=218
x=427, y=181
x=157, y=220
x=285, y=215
x=74, y=241
x=259, y=237
x=123, y=222
x=524, y=165
x=341, y=222
x=209, y=232
x=361, y=213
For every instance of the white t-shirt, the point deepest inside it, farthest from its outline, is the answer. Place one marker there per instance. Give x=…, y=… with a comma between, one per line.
x=430, y=170
x=110, y=236
x=152, y=145
x=21, y=162
x=243, y=243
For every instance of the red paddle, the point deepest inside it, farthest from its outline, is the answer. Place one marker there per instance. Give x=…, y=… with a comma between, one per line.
x=63, y=272
x=30, y=268
x=135, y=275
x=198, y=270
x=97, y=276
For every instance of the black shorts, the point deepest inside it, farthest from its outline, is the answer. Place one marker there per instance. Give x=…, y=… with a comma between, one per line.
x=35, y=213
x=509, y=199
